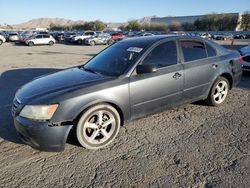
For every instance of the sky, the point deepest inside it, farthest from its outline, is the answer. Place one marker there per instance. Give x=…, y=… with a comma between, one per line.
x=18, y=11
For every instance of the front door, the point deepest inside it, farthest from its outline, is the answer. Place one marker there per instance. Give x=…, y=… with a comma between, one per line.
x=151, y=92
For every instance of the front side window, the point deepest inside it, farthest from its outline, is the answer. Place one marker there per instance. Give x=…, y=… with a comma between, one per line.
x=45, y=36
x=163, y=55
x=193, y=50
x=39, y=36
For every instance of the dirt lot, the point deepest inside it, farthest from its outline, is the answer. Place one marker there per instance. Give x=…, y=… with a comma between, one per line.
x=189, y=146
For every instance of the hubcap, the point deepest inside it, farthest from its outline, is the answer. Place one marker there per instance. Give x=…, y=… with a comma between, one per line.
x=220, y=92
x=99, y=127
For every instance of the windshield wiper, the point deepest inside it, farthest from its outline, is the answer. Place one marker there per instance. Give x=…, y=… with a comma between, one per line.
x=89, y=70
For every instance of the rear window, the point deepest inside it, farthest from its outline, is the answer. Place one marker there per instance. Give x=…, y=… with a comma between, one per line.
x=247, y=58
x=193, y=50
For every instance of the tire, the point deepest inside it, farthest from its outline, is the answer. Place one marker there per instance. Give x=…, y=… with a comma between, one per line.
x=31, y=43
x=1, y=42
x=92, y=43
x=110, y=42
x=79, y=41
x=98, y=126
x=51, y=43
x=218, y=93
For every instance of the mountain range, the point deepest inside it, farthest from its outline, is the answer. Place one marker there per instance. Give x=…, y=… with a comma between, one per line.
x=47, y=22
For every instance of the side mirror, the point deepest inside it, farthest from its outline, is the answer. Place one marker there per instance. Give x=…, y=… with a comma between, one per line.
x=142, y=69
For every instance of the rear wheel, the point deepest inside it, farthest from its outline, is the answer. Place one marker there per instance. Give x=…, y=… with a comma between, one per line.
x=98, y=126
x=219, y=92
x=1, y=42
x=51, y=43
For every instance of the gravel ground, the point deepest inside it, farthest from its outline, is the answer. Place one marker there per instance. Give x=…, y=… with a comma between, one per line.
x=189, y=146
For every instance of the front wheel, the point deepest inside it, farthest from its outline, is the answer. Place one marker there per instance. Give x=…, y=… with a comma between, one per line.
x=92, y=43
x=1, y=42
x=79, y=41
x=98, y=126
x=219, y=92
x=31, y=43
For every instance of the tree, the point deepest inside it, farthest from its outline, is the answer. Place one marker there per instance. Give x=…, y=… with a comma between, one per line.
x=188, y=26
x=175, y=26
x=245, y=21
x=134, y=25
x=99, y=25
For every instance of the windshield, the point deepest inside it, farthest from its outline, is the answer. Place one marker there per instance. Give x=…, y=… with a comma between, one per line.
x=116, y=59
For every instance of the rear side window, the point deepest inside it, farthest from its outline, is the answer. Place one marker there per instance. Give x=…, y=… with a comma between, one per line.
x=211, y=52
x=193, y=50
x=163, y=55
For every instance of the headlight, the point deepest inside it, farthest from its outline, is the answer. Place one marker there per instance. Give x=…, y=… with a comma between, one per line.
x=39, y=112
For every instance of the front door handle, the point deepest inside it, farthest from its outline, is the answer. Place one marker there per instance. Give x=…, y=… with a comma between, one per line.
x=214, y=66
x=176, y=75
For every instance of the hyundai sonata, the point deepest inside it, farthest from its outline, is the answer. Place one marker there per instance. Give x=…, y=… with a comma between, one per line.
x=130, y=79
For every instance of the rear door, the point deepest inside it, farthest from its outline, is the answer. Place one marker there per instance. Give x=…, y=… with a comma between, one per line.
x=200, y=67
x=151, y=92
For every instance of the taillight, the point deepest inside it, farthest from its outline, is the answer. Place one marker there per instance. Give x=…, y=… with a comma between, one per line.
x=241, y=60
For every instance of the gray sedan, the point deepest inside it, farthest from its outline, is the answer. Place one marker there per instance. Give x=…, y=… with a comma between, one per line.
x=128, y=80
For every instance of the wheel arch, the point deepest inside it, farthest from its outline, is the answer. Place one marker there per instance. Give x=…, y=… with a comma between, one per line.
x=92, y=104
x=229, y=78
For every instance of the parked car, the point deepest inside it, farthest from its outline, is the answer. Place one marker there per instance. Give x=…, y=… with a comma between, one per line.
x=239, y=36
x=13, y=37
x=79, y=39
x=2, y=39
x=40, y=39
x=102, y=38
x=25, y=36
x=206, y=36
x=59, y=36
x=69, y=35
x=130, y=79
x=117, y=36
x=245, y=53
x=222, y=36
x=146, y=34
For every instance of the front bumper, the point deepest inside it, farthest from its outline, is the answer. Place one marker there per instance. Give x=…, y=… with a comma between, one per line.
x=40, y=135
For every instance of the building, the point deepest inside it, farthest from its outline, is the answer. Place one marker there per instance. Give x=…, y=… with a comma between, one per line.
x=182, y=19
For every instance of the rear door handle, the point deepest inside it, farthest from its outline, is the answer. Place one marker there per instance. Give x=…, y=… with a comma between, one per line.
x=176, y=75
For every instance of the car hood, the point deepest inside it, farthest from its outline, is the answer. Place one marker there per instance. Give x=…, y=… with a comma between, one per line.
x=60, y=82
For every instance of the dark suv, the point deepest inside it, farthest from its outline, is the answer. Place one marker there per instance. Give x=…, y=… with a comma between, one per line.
x=130, y=79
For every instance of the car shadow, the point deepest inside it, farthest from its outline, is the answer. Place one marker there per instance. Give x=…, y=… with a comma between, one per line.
x=10, y=82
x=244, y=84
x=245, y=81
